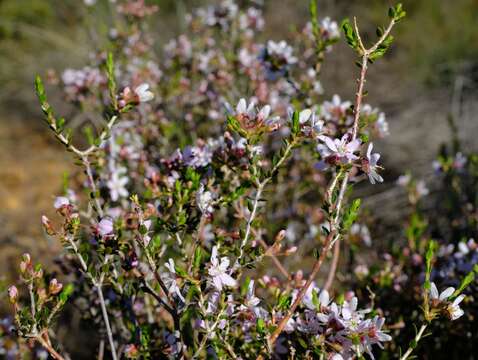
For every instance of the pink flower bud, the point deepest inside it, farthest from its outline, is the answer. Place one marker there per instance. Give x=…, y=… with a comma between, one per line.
x=55, y=287
x=13, y=294
x=26, y=263
x=47, y=225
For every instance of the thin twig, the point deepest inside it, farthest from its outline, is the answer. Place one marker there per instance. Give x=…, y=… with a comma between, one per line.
x=260, y=188
x=416, y=340
x=302, y=291
x=333, y=266
x=252, y=216
x=275, y=260
x=45, y=342
x=107, y=321
x=94, y=189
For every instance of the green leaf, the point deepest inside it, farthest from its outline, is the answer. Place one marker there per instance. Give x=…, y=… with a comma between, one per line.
x=396, y=13
x=88, y=131
x=350, y=215
x=313, y=19
x=428, y=261
x=350, y=35
x=295, y=125
x=110, y=73
x=284, y=302
x=40, y=89
x=67, y=291
x=261, y=326
x=155, y=243
x=197, y=258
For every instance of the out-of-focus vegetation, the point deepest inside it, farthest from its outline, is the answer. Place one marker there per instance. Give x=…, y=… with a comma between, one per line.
x=440, y=38
x=438, y=42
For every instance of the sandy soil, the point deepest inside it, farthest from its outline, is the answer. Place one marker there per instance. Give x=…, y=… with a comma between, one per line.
x=31, y=168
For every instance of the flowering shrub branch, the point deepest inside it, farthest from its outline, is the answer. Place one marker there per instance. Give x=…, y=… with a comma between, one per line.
x=354, y=39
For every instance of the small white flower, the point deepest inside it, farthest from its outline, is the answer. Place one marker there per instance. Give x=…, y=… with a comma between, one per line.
x=336, y=109
x=204, y=201
x=370, y=165
x=330, y=29
x=105, y=227
x=171, y=282
x=197, y=156
x=454, y=309
x=443, y=296
x=422, y=189
x=404, y=180
x=243, y=109
x=324, y=298
x=143, y=92
x=218, y=271
x=117, y=184
x=463, y=248
x=342, y=148
x=337, y=357
x=251, y=299
x=381, y=125
x=61, y=201
x=304, y=116
x=282, y=50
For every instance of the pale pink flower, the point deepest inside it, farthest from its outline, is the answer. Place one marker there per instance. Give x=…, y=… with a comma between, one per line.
x=13, y=294
x=370, y=165
x=61, y=201
x=342, y=149
x=143, y=93
x=105, y=227
x=219, y=271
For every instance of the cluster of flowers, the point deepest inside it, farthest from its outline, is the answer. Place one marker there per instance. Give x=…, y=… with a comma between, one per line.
x=177, y=181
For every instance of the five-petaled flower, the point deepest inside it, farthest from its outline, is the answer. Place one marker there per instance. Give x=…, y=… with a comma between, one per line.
x=219, y=271
x=452, y=308
x=370, y=165
x=339, y=150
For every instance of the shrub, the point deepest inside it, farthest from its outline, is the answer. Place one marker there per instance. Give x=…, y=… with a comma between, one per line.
x=185, y=200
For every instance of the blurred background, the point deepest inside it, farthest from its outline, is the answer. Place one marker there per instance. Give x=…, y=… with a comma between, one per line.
x=430, y=74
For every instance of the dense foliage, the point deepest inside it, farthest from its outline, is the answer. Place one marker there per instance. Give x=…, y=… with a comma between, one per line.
x=215, y=184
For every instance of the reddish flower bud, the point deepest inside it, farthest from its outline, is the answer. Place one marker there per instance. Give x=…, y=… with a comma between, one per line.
x=55, y=287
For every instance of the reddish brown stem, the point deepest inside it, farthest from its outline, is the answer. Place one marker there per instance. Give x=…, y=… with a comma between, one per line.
x=44, y=340
x=303, y=290
x=333, y=266
x=275, y=260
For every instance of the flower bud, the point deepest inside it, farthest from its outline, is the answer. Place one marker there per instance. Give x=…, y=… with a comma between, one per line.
x=47, y=225
x=131, y=351
x=280, y=235
x=55, y=287
x=13, y=294
x=26, y=263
